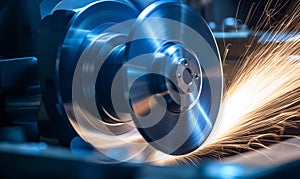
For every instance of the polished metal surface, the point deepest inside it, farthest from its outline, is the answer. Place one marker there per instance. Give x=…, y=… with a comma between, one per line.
x=144, y=76
x=183, y=70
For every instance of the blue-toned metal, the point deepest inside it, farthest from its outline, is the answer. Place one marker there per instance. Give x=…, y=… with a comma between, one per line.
x=65, y=32
x=119, y=61
x=188, y=77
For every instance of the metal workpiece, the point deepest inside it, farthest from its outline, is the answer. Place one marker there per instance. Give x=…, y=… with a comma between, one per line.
x=137, y=74
x=191, y=107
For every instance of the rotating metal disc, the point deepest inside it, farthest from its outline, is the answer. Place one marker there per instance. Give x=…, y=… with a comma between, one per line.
x=174, y=77
x=131, y=78
x=91, y=52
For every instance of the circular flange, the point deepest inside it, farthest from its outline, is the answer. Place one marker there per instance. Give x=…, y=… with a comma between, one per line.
x=184, y=82
x=89, y=44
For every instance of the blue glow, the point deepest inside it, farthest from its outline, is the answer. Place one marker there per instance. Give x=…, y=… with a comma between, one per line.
x=212, y=25
x=225, y=171
x=79, y=147
x=241, y=34
x=229, y=170
x=230, y=21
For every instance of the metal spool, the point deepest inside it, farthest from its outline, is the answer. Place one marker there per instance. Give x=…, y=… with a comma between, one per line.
x=131, y=73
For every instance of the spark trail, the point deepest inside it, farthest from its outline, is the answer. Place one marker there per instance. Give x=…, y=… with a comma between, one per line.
x=263, y=98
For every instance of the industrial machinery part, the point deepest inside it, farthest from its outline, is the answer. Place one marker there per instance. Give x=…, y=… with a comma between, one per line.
x=130, y=73
x=142, y=48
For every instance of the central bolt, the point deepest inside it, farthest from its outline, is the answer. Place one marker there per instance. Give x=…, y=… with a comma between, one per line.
x=187, y=76
x=183, y=82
